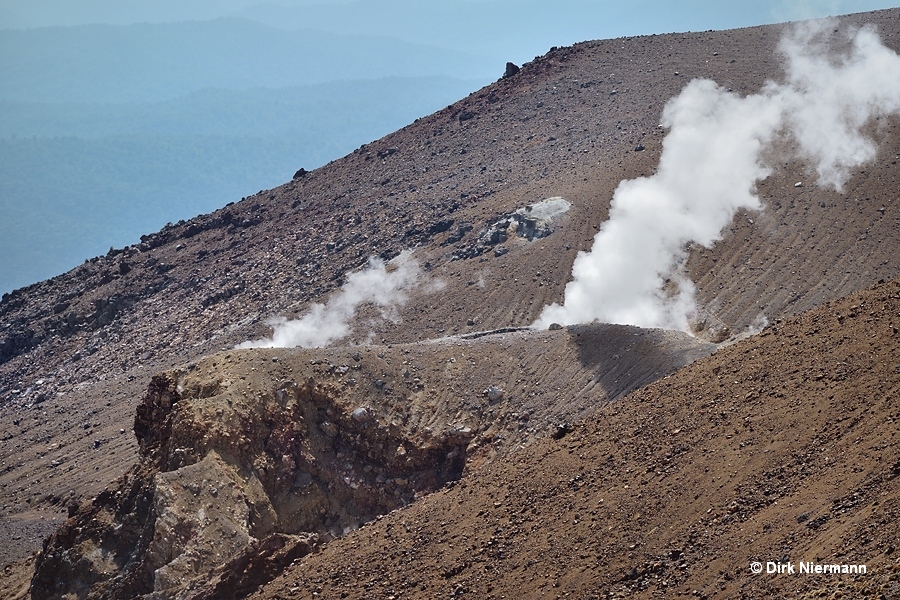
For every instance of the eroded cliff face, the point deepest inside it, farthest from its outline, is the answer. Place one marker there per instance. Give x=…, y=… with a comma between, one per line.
x=230, y=477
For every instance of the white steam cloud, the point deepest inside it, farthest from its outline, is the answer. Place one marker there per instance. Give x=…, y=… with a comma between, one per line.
x=384, y=285
x=712, y=159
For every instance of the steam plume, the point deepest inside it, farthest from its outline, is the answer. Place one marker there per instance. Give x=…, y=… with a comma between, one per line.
x=712, y=159
x=384, y=285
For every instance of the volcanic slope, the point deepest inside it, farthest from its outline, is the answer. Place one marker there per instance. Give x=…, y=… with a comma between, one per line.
x=781, y=448
x=78, y=351
x=256, y=456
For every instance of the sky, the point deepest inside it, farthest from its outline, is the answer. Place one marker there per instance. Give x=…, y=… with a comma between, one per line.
x=523, y=27
x=705, y=13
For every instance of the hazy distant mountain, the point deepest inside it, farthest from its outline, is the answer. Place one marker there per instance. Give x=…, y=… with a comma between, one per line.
x=109, y=131
x=505, y=29
x=76, y=179
x=149, y=62
x=514, y=30
x=307, y=110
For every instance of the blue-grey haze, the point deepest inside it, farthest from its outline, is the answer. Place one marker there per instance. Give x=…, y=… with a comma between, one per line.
x=80, y=178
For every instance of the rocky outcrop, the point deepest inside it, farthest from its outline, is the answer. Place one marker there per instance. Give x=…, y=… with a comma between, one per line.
x=233, y=485
x=522, y=225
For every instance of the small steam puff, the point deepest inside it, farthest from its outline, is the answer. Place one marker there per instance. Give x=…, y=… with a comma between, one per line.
x=712, y=159
x=384, y=285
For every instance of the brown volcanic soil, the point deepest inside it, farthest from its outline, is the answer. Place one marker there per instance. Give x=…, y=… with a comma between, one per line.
x=783, y=447
x=279, y=443
x=78, y=351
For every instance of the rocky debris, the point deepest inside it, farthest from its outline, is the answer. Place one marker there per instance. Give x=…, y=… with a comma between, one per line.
x=528, y=223
x=479, y=334
x=458, y=235
x=560, y=430
x=511, y=69
x=257, y=564
x=493, y=394
x=361, y=414
x=18, y=342
x=706, y=325
x=224, y=294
